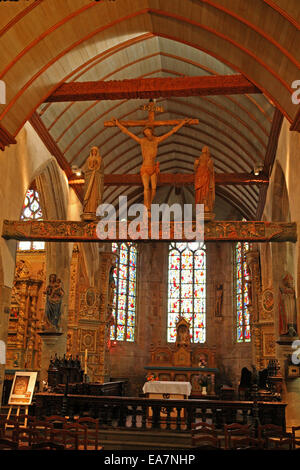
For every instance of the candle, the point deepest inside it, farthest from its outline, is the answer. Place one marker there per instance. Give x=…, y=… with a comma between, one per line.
x=85, y=361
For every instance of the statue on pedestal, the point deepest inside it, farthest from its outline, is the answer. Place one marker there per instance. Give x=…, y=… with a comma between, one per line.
x=219, y=300
x=205, y=181
x=94, y=184
x=54, y=293
x=287, y=307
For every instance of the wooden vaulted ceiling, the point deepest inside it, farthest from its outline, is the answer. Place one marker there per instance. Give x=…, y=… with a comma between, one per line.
x=46, y=43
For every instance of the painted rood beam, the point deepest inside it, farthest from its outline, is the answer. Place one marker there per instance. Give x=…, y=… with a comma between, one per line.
x=153, y=88
x=178, y=179
x=216, y=231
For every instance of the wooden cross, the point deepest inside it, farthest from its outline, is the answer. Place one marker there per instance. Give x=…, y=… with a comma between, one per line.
x=152, y=108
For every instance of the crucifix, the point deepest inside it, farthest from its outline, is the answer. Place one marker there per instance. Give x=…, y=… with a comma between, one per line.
x=149, y=144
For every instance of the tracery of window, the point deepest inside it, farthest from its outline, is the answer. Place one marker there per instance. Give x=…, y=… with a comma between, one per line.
x=31, y=211
x=242, y=286
x=124, y=303
x=187, y=289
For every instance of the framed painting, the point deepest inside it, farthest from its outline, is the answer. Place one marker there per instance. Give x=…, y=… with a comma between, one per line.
x=22, y=388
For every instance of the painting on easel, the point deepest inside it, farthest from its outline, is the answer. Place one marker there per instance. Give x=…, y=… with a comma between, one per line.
x=22, y=388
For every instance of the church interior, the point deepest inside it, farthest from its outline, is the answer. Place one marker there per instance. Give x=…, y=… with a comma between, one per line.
x=167, y=103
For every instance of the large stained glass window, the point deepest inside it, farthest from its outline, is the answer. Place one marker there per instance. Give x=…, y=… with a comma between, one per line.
x=31, y=211
x=124, y=304
x=187, y=289
x=242, y=286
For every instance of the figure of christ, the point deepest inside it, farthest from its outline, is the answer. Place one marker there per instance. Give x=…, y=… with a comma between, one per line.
x=149, y=147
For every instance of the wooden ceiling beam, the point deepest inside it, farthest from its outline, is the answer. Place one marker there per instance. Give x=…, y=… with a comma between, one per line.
x=178, y=179
x=153, y=88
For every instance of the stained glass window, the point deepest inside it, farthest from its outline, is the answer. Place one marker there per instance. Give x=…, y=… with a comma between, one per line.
x=124, y=304
x=242, y=286
x=31, y=211
x=187, y=289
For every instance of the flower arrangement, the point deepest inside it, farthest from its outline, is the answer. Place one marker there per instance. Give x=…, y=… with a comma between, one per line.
x=151, y=376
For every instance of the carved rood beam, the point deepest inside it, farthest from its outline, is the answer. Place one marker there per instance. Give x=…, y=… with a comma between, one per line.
x=178, y=179
x=73, y=231
x=153, y=88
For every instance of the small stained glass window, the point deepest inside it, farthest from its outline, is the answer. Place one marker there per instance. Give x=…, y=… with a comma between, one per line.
x=124, y=303
x=242, y=286
x=187, y=289
x=31, y=211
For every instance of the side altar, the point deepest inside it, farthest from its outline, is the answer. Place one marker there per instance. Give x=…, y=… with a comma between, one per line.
x=185, y=363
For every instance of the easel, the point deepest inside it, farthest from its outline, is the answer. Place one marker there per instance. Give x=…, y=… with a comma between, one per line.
x=9, y=414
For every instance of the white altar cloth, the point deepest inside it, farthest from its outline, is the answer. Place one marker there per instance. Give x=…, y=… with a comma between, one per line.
x=174, y=388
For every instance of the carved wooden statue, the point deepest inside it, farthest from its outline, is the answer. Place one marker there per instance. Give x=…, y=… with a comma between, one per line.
x=219, y=300
x=287, y=307
x=94, y=184
x=54, y=293
x=205, y=181
x=149, y=147
x=183, y=333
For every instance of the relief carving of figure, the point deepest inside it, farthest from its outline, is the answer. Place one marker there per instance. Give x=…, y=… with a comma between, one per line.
x=287, y=307
x=93, y=185
x=54, y=293
x=204, y=180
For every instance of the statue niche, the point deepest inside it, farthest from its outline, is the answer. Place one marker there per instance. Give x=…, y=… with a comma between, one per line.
x=182, y=354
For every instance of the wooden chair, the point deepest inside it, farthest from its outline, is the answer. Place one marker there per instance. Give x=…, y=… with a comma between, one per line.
x=92, y=425
x=81, y=431
x=235, y=433
x=41, y=431
x=202, y=429
x=25, y=437
x=66, y=437
x=58, y=422
x=47, y=445
x=9, y=428
x=295, y=438
x=207, y=442
x=274, y=437
x=8, y=444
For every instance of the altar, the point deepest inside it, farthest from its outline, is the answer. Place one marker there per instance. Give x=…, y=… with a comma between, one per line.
x=184, y=363
x=167, y=390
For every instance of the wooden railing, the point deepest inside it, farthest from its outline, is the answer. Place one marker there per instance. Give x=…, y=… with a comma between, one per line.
x=143, y=413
